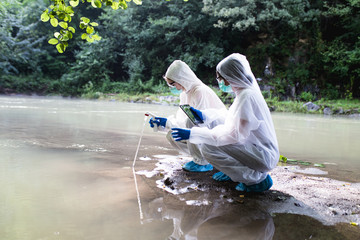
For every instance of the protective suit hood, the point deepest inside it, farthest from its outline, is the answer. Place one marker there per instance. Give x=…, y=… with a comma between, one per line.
x=181, y=73
x=236, y=70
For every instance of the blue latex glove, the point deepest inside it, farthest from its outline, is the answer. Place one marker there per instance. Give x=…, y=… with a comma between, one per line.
x=197, y=114
x=159, y=121
x=180, y=134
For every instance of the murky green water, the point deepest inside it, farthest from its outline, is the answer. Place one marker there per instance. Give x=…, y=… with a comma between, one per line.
x=319, y=138
x=65, y=172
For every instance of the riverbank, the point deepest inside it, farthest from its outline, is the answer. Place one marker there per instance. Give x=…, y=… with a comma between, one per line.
x=340, y=107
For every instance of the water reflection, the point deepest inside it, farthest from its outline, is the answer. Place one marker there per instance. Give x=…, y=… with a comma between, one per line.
x=214, y=221
x=199, y=208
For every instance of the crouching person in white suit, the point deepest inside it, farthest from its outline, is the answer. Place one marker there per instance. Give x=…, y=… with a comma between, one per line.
x=194, y=92
x=243, y=147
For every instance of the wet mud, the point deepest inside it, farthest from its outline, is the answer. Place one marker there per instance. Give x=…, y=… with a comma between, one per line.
x=303, y=203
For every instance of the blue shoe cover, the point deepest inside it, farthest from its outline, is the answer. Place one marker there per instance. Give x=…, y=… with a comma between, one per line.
x=194, y=167
x=241, y=187
x=221, y=177
x=259, y=187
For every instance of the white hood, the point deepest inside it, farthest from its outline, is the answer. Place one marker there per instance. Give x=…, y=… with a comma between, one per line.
x=181, y=73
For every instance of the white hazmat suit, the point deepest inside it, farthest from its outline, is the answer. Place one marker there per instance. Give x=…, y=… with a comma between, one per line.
x=197, y=95
x=244, y=147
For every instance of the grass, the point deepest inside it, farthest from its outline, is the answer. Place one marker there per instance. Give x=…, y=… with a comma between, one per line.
x=140, y=97
x=288, y=106
x=340, y=106
x=341, y=103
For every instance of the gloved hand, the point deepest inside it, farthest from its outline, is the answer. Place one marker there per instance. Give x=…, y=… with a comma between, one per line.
x=180, y=134
x=197, y=114
x=159, y=121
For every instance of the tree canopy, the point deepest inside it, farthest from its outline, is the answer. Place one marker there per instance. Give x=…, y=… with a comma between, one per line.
x=61, y=12
x=294, y=46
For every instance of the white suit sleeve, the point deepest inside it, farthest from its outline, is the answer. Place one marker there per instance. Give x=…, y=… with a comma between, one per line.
x=214, y=115
x=239, y=123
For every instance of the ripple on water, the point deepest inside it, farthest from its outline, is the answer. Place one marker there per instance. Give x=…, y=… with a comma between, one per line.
x=87, y=148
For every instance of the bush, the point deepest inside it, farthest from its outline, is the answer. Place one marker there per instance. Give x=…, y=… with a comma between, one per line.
x=30, y=84
x=306, y=96
x=330, y=92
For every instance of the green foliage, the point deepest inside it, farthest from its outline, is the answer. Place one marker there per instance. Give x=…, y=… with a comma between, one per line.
x=306, y=96
x=136, y=87
x=274, y=103
x=20, y=44
x=283, y=42
x=26, y=62
x=341, y=61
x=160, y=32
x=289, y=106
x=298, y=73
x=92, y=65
x=61, y=12
x=259, y=14
x=280, y=84
x=126, y=97
x=283, y=159
x=329, y=92
x=290, y=37
x=29, y=84
x=89, y=92
x=350, y=106
x=341, y=55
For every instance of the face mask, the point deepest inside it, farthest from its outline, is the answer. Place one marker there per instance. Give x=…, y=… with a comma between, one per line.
x=223, y=87
x=175, y=91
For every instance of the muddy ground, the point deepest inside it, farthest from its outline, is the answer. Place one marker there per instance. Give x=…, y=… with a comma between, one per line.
x=313, y=202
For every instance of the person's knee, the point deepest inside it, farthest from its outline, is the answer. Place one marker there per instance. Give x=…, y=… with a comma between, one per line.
x=267, y=164
x=208, y=151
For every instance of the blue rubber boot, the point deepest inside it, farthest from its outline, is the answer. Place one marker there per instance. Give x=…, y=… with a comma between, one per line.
x=221, y=177
x=194, y=167
x=259, y=187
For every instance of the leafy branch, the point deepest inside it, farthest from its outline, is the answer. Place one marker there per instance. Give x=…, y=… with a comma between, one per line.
x=61, y=12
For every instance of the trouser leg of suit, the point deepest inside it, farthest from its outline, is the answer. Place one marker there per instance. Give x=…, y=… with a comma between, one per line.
x=187, y=147
x=194, y=149
x=235, y=161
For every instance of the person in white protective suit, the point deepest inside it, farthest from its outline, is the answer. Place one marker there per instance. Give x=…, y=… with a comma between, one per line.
x=194, y=92
x=244, y=147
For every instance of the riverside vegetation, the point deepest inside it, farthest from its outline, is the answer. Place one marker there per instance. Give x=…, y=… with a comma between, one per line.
x=349, y=107
x=303, y=51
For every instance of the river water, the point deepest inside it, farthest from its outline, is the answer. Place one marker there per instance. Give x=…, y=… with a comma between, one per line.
x=65, y=168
